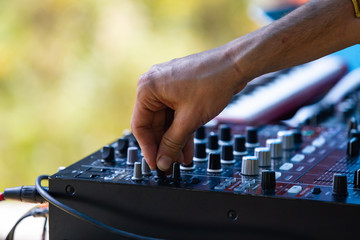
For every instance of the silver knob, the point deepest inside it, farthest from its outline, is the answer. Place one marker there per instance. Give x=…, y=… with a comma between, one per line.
x=137, y=175
x=287, y=138
x=250, y=166
x=275, y=146
x=132, y=156
x=263, y=155
x=145, y=169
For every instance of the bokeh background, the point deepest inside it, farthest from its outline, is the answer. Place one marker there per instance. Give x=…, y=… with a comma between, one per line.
x=68, y=70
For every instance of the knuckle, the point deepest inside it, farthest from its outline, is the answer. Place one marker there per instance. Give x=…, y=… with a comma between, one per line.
x=172, y=145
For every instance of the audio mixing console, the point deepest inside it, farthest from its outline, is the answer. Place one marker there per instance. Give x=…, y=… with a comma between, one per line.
x=267, y=182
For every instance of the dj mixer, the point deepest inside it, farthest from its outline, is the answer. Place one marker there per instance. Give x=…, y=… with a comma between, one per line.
x=271, y=181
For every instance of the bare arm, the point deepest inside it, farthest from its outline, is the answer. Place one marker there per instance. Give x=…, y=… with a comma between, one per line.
x=177, y=97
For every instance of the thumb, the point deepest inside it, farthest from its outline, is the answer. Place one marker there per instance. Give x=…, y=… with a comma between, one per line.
x=173, y=141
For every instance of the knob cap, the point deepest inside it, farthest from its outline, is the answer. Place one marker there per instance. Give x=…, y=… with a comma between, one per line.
x=252, y=137
x=122, y=146
x=200, y=152
x=176, y=172
x=212, y=144
x=250, y=166
x=357, y=178
x=200, y=135
x=263, y=155
x=225, y=134
x=145, y=169
x=227, y=156
x=275, y=146
x=214, y=164
x=287, y=139
x=239, y=145
x=268, y=182
x=108, y=154
x=137, y=175
x=132, y=156
x=340, y=185
x=353, y=147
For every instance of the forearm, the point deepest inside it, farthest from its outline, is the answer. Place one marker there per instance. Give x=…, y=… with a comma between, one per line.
x=314, y=30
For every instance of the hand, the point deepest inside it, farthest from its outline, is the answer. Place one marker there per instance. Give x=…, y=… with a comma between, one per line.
x=175, y=98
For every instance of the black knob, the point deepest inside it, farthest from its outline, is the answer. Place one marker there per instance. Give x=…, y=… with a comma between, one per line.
x=252, y=137
x=357, y=178
x=108, y=154
x=227, y=156
x=225, y=133
x=176, y=172
x=352, y=124
x=340, y=185
x=353, y=147
x=199, y=152
x=268, y=182
x=200, y=134
x=212, y=144
x=160, y=175
x=297, y=138
x=239, y=145
x=122, y=146
x=187, y=167
x=354, y=133
x=214, y=164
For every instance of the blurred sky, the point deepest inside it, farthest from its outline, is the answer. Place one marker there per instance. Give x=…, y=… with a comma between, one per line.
x=68, y=70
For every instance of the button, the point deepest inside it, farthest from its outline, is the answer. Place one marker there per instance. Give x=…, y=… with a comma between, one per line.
x=308, y=149
x=318, y=142
x=298, y=157
x=295, y=189
x=316, y=190
x=286, y=166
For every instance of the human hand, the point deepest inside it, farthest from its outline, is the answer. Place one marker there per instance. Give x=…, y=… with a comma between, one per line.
x=175, y=98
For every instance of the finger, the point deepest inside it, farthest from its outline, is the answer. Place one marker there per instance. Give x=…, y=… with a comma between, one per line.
x=141, y=126
x=188, y=150
x=173, y=140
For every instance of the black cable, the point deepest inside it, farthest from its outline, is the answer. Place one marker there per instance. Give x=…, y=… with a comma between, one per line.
x=82, y=216
x=35, y=212
x=43, y=236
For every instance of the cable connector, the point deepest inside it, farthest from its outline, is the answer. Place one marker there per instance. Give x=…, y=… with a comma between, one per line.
x=24, y=194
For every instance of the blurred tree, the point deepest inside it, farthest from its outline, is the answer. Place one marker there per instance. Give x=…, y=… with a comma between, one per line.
x=68, y=70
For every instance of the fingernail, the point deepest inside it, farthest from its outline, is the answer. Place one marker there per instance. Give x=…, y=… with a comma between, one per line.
x=164, y=163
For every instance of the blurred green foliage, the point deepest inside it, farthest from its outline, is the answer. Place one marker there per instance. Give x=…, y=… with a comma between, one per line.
x=68, y=70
